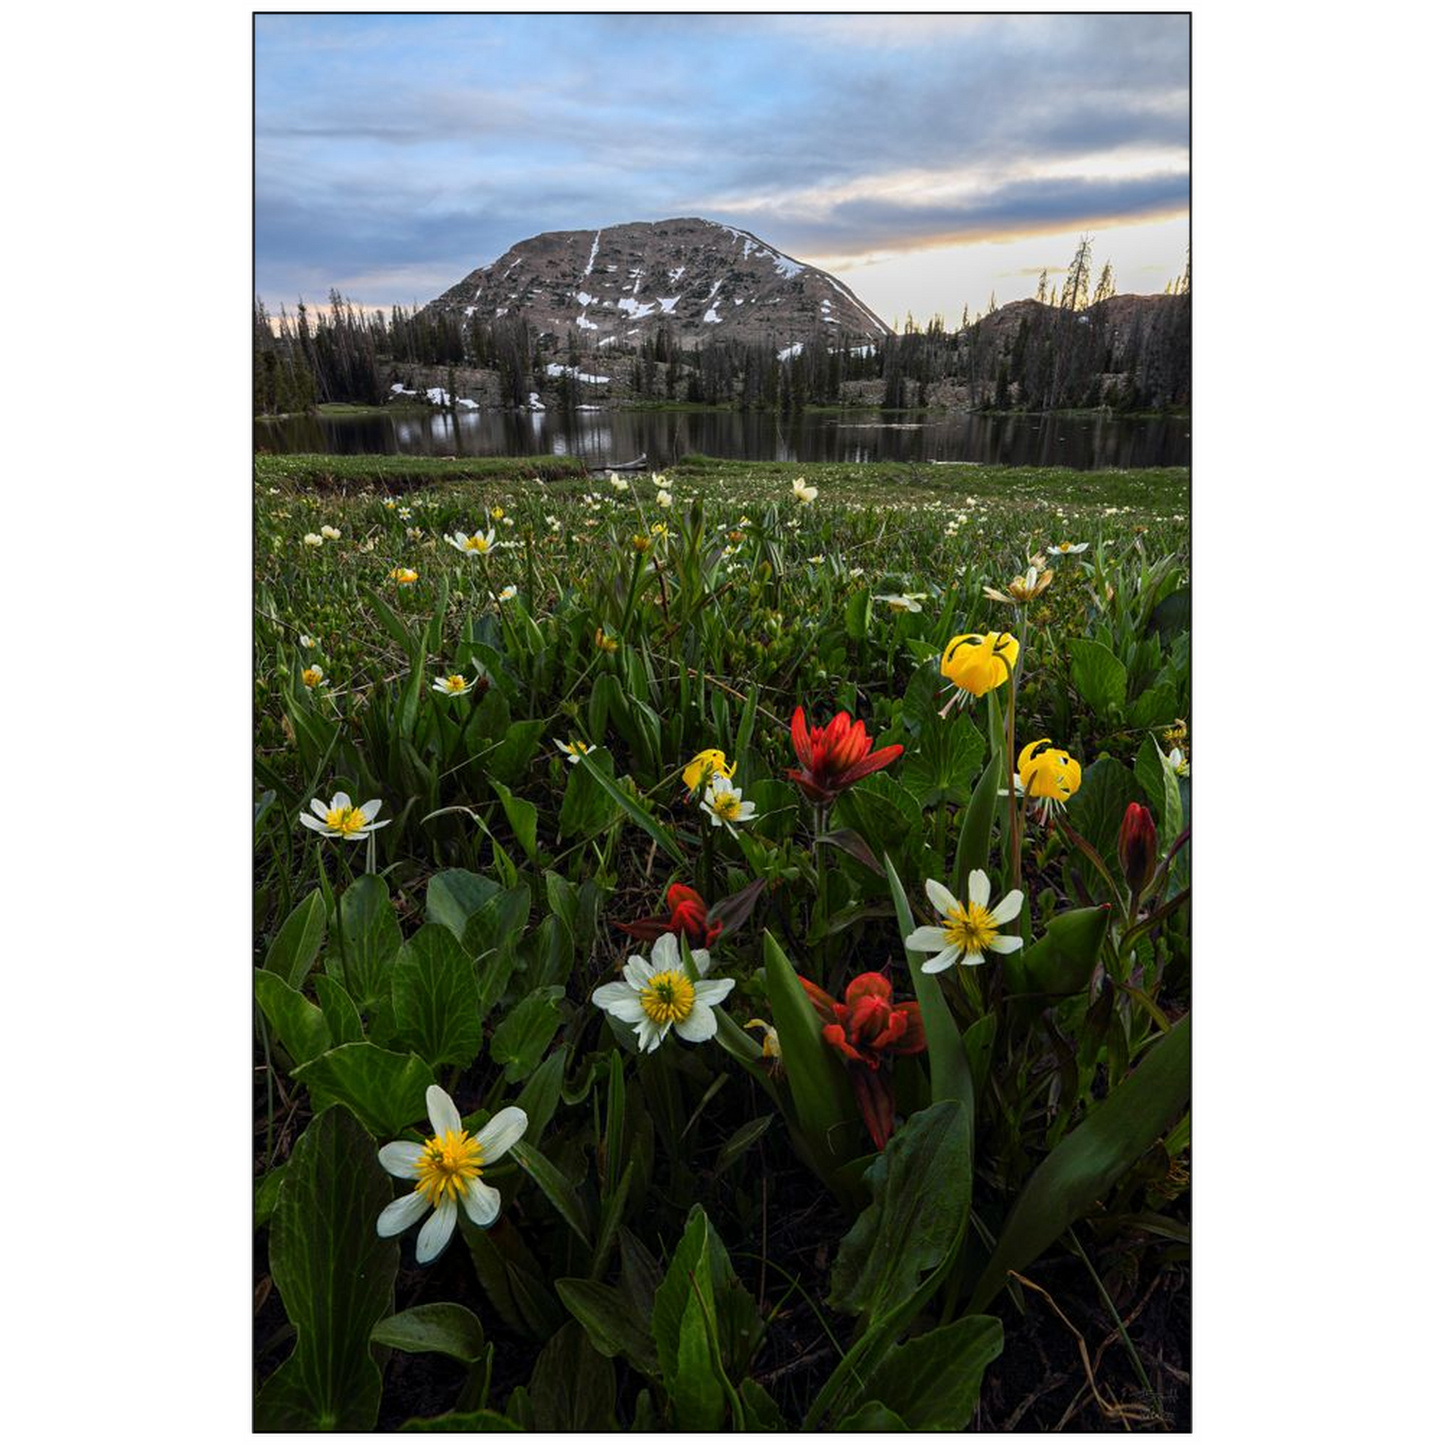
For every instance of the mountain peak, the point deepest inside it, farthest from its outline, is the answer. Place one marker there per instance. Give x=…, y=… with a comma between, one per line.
x=705, y=279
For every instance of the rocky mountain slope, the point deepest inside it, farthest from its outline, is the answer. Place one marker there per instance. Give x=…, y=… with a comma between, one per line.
x=706, y=281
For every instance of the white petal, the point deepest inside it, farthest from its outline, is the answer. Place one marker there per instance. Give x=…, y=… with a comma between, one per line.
x=978, y=887
x=307, y=821
x=318, y=807
x=972, y=960
x=401, y=1214
x=436, y=1232
x=501, y=1131
x=616, y=992
x=340, y=800
x=715, y=990
x=482, y=1203
x=399, y=1159
x=371, y=809
x=926, y=940
x=649, y=1035
x=1006, y=943
x=939, y=896
x=441, y=1111
x=1008, y=906
x=945, y=960
x=665, y=953
x=701, y=961
x=635, y=971
x=700, y=1024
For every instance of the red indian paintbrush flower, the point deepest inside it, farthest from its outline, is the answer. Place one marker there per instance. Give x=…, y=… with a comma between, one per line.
x=867, y=1028
x=688, y=915
x=836, y=756
x=1138, y=846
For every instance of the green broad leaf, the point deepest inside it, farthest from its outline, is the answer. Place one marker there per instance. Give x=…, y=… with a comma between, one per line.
x=826, y=1112
x=884, y=812
x=634, y=808
x=454, y=895
x=1097, y=809
x=948, y=1073
x=1062, y=961
x=434, y=1329
x=1170, y=617
x=498, y=922
x=587, y=807
x=554, y=1184
x=762, y=1409
x=522, y=1037
x=573, y=1387
x=363, y=948
x=939, y=766
x=1154, y=707
x=933, y=1381
x=434, y=998
x=612, y=1323
x=1100, y=677
x=341, y=1015
x=921, y=1186
x=294, y=949
x=335, y=1276
x=857, y=614
x=479, y=1421
x=874, y=1418
x=296, y=1021
x=1090, y=1160
x=509, y=759
x=385, y=1090
x=521, y=818
x=681, y=1317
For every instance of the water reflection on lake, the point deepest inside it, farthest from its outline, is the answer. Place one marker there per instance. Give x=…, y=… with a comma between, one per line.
x=603, y=437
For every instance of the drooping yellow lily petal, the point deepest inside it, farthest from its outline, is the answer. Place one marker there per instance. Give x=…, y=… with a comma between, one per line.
x=977, y=663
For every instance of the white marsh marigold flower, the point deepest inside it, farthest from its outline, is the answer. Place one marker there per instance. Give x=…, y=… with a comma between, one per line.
x=803, y=492
x=342, y=819
x=725, y=805
x=658, y=995
x=477, y=545
x=447, y=1171
x=967, y=929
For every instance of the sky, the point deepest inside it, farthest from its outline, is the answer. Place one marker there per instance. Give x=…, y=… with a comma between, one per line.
x=928, y=161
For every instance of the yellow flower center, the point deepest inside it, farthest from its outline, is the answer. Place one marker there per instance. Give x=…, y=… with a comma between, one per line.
x=311, y=676
x=668, y=997
x=477, y=544
x=456, y=683
x=346, y=820
x=727, y=805
x=447, y=1164
x=578, y=749
x=970, y=927
x=1066, y=546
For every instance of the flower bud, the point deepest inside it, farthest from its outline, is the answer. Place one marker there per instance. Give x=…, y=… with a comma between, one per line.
x=1138, y=846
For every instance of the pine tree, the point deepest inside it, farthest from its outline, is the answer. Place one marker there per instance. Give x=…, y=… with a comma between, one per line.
x=1042, y=294
x=1076, y=283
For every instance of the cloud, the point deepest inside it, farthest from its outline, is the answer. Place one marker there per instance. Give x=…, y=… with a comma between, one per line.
x=396, y=148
